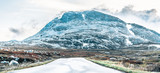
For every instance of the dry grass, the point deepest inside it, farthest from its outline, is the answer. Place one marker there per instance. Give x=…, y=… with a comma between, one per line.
x=117, y=66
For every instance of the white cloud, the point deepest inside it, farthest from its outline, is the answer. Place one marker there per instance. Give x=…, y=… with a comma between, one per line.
x=146, y=18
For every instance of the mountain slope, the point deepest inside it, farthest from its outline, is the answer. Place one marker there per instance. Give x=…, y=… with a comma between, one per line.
x=91, y=30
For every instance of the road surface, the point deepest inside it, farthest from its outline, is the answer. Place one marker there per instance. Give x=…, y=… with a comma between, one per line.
x=68, y=65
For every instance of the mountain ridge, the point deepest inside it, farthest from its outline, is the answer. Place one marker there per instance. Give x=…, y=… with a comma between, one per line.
x=91, y=30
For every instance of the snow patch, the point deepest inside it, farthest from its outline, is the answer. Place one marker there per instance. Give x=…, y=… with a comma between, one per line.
x=156, y=45
x=83, y=16
x=128, y=42
x=129, y=29
x=13, y=63
x=85, y=44
x=60, y=15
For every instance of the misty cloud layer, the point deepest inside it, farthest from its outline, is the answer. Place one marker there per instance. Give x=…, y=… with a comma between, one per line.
x=146, y=15
x=146, y=18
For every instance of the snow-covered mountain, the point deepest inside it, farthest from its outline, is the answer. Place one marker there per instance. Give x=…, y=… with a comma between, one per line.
x=91, y=30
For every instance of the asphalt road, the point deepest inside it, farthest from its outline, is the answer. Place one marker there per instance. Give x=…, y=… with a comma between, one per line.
x=68, y=65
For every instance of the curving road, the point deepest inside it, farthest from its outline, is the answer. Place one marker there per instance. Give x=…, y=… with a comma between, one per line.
x=69, y=65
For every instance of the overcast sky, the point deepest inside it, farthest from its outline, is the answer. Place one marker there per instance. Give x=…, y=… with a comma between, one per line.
x=20, y=19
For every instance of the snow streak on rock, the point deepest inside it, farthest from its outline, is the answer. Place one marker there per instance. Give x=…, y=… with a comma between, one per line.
x=129, y=27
